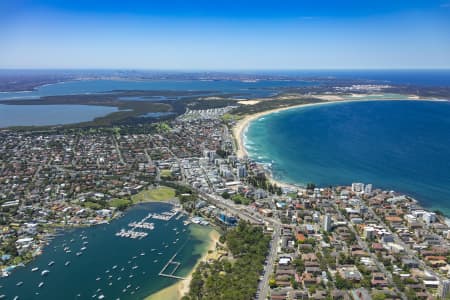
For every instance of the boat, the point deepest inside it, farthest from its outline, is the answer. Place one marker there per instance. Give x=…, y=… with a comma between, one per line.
x=34, y=269
x=101, y=296
x=51, y=263
x=45, y=272
x=142, y=253
x=16, y=298
x=2, y=296
x=83, y=248
x=153, y=249
x=19, y=283
x=135, y=267
x=114, y=267
x=67, y=263
x=155, y=261
x=128, y=286
x=160, y=253
x=79, y=253
x=98, y=278
x=119, y=278
x=41, y=284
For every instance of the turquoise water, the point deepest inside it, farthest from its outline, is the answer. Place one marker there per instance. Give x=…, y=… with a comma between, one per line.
x=104, y=251
x=256, y=89
x=39, y=115
x=403, y=146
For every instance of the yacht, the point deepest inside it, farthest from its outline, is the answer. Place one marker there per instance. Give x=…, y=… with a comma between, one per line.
x=51, y=263
x=41, y=284
x=67, y=263
x=19, y=283
x=34, y=269
x=45, y=272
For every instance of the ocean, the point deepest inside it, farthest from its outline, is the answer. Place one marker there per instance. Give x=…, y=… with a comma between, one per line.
x=395, y=145
x=112, y=266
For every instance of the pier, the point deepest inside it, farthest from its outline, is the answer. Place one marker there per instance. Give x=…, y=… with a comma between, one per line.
x=171, y=262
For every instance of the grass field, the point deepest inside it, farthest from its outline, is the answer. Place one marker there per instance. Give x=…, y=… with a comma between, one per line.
x=162, y=193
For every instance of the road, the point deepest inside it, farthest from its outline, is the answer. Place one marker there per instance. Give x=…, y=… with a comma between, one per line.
x=365, y=247
x=263, y=286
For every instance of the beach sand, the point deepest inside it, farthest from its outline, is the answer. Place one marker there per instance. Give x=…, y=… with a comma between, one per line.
x=242, y=124
x=179, y=289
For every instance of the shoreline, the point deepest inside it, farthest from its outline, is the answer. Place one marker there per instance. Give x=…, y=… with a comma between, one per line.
x=180, y=288
x=242, y=125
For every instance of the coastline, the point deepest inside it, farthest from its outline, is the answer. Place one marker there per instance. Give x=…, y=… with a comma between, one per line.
x=241, y=126
x=177, y=290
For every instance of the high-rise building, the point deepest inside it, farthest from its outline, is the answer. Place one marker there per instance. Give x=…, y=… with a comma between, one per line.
x=368, y=189
x=444, y=289
x=242, y=171
x=327, y=222
x=357, y=187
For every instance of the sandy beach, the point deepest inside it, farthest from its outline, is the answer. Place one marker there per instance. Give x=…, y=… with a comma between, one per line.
x=179, y=289
x=242, y=124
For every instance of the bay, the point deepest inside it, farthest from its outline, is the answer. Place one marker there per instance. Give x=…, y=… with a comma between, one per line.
x=40, y=115
x=395, y=145
x=120, y=267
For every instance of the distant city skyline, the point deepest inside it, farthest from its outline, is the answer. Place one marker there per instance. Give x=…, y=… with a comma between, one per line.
x=225, y=35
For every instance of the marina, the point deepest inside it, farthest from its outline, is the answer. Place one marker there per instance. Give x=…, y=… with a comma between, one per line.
x=131, y=271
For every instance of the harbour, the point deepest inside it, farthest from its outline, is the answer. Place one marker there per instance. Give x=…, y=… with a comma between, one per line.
x=95, y=263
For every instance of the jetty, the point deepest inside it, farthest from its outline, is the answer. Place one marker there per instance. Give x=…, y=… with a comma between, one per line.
x=171, y=262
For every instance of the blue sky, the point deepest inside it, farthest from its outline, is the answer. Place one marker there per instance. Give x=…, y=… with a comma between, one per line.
x=221, y=35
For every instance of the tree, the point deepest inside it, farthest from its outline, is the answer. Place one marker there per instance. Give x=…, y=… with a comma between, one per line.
x=226, y=195
x=272, y=283
x=379, y=296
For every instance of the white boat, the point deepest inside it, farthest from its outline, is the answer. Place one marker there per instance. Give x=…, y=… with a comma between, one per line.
x=98, y=278
x=41, y=284
x=16, y=298
x=79, y=253
x=114, y=267
x=34, y=269
x=45, y=272
x=19, y=283
x=101, y=297
x=83, y=248
x=67, y=263
x=51, y=263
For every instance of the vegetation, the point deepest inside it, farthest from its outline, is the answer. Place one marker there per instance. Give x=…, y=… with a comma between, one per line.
x=162, y=193
x=271, y=104
x=235, y=279
x=120, y=204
